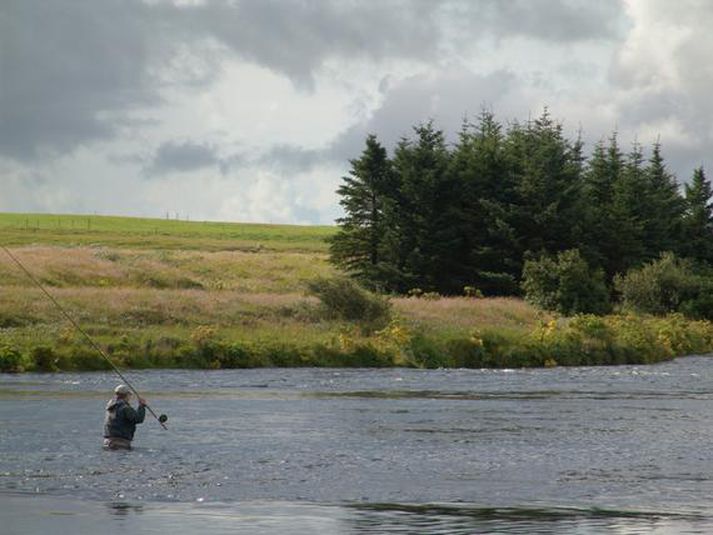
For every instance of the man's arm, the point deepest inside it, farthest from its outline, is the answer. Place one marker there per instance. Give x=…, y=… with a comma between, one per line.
x=135, y=416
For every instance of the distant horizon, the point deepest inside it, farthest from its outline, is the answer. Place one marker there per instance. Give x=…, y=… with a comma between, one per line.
x=182, y=220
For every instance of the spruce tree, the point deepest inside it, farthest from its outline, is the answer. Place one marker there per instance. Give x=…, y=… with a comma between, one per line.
x=698, y=219
x=665, y=206
x=546, y=170
x=629, y=213
x=365, y=196
x=613, y=185
x=421, y=236
x=597, y=193
x=479, y=168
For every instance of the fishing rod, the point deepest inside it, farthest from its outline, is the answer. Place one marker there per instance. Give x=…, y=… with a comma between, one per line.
x=160, y=419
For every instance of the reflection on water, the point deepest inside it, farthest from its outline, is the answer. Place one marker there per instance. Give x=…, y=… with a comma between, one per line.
x=123, y=508
x=579, y=450
x=22, y=515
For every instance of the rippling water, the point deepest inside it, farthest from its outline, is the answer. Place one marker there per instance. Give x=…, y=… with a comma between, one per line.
x=566, y=450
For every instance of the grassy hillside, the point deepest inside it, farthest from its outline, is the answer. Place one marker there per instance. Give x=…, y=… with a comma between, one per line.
x=175, y=293
x=143, y=233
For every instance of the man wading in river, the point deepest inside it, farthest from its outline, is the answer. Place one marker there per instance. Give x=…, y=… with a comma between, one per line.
x=121, y=419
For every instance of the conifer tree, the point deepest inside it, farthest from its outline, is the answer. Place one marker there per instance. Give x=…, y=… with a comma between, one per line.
x=662, y=223
x=547, y=171
x=698, y=219
x=479, y=167
x=628, y=211
x=365, y=196
x=420, y=235
x=601, y=173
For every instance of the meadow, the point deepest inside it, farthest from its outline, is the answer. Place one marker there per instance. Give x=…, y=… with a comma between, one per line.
x=167, y=293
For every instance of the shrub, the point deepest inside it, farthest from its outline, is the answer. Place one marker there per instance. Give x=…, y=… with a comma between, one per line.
x=45, y=359
x=700, y=306
x=343, y=299
x=666, y=285
x=472, y=291
x=85, y=358
x=10, y=360
x=237, y=355
x=565, y=284
x=427, y=352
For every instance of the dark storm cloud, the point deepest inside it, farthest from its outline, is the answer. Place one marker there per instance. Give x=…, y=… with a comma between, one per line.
x=296, y=37
x=71, y=70
x=175, y=156
x=64, y=63
x=448, y=97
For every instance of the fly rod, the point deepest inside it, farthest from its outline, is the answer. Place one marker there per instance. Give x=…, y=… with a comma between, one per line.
x=160, y=419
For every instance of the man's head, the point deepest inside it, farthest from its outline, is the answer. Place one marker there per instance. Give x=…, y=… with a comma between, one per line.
x=122, y=391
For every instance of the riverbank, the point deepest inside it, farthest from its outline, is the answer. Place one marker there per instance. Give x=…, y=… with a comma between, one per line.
x=167, y=294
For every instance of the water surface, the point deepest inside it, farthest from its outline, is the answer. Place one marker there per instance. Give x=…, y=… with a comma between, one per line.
x=566, y=450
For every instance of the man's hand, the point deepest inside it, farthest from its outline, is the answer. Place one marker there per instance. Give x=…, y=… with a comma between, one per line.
x=142, y=402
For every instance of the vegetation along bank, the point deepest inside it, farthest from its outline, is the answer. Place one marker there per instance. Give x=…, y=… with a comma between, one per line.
x=161, y=293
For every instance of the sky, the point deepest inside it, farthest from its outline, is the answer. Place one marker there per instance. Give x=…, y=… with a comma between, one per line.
x=250, y=110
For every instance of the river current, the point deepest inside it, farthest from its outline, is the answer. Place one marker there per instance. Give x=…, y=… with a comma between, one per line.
x=327, y=451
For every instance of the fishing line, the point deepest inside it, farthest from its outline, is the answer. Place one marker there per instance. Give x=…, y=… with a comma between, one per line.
x=160, y=419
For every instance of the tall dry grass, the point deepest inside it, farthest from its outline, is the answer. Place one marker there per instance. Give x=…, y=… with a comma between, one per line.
x=77, y=267
x=467, y=313
x=139, y=288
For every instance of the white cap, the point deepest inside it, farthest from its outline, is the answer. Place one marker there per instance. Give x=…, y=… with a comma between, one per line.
x=122, y=389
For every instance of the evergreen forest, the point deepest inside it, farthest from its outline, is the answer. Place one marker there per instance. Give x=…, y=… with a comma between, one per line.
x=510, y=209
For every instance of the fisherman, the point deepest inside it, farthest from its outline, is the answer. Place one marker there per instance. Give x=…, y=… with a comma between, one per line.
x=121, y=419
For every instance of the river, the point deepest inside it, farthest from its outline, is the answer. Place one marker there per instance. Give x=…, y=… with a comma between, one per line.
x=328, y=451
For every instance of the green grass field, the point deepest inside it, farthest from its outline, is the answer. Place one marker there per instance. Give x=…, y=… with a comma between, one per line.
x=141, y=233
x=166, y=293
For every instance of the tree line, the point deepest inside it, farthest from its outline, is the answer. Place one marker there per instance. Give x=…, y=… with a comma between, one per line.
x=441, y=218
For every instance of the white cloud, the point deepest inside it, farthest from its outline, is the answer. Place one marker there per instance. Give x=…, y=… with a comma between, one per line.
x=661, y=79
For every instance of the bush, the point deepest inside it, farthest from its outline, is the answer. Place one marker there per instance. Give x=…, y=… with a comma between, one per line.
x=343, y=299
x=565, y=284
x=472, y=291
x=10, y=360
x=45, y=359
x=666, y=285
x=700, y=306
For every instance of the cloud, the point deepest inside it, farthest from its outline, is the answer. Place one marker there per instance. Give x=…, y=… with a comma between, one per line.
x=662, y=78
x=252, y=108
x=179, y=156
x=295, y=38
x=561, y=21
x=66, y=67
x=293, y=159
x=447, y=96
x=75, y=72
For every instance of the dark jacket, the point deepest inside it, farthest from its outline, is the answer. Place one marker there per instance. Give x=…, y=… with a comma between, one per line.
x=121, y=419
